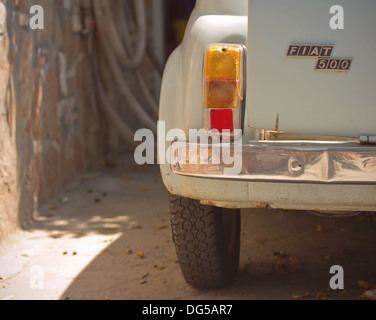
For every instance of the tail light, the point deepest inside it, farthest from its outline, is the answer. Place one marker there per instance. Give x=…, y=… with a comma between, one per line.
x=223, y=87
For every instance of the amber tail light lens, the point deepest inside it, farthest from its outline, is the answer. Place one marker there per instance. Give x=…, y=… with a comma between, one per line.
x=222, y=94
x=223, y=86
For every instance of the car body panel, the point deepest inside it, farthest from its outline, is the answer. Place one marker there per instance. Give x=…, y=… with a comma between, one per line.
x=303, y=99
x=181, y=107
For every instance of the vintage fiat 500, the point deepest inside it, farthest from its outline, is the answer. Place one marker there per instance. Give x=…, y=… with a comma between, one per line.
x=280, y=98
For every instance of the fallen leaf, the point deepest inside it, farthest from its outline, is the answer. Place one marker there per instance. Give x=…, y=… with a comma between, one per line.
x=364, y=284
x=176, y=261
x=158, y=228
x=89, y=191
x=129, y=252
x=161, y=268
x=74, y=253
x=65, y=253
x=140, y=254
x=106, y=298
x=143, y=282
x=322, y=295
x=297, y=296
x=145, y=275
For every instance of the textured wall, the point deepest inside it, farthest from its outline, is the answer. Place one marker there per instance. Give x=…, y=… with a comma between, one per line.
x=8, y=162
x=50, y=127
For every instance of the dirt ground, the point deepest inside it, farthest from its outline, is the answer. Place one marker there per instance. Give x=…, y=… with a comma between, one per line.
x=107, y=237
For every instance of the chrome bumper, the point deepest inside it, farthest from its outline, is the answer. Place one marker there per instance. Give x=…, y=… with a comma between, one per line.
x=304, y=162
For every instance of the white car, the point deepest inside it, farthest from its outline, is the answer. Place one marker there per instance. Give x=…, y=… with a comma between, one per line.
x=286, y=90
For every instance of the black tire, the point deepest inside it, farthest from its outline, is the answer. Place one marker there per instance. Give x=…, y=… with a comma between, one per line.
x=207, y=242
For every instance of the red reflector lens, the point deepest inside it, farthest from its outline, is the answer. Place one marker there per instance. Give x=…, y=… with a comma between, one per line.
x=222, y=120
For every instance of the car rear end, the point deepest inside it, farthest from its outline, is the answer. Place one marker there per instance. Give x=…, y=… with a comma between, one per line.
x=307, y=134
x=265, y=105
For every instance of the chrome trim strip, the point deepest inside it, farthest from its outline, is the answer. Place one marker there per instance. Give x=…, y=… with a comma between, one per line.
x=297, y=162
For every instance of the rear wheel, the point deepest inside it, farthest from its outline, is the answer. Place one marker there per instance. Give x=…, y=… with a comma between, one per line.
x=207, y=242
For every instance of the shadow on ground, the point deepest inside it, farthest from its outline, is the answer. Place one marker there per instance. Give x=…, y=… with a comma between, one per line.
x=284, y=254
x=283, y=257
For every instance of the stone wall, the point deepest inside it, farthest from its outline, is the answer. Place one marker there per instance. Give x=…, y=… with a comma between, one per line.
x=51, y=129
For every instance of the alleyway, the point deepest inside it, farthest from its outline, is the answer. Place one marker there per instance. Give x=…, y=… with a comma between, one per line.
x=108, y=237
